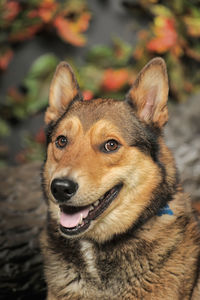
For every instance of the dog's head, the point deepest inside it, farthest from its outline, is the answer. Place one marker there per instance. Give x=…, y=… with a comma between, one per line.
x=107, y=167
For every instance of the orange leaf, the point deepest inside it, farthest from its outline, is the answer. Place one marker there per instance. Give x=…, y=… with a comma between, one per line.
x=46, y=10
x=83, y=22
x=5, y=59
x=68, y=32
x=165, y=35
x=45, y=14
x=87, y=95
x=114, y=80
x=47, y=2
x=12, y=8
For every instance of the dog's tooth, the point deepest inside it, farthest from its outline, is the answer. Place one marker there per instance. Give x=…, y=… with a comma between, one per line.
x=96, y=203
x=91, y=207
x=80, y=220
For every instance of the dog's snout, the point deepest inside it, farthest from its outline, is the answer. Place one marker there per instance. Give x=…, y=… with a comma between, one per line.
x=63, y=189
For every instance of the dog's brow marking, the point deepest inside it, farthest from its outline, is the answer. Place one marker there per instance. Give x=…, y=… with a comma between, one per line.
x=89, y=257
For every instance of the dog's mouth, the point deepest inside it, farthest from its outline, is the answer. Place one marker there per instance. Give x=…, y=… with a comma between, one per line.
x=74, y=220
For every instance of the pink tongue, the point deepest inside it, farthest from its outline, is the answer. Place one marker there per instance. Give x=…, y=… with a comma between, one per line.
x=72, y=220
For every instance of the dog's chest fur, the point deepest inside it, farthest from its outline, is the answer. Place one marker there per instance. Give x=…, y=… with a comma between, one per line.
x=157, y=262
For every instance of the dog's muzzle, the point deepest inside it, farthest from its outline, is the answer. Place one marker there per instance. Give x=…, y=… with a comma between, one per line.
x=63, y=189
x=77, y=219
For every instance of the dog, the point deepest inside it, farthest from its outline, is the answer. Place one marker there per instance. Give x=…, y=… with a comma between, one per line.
x=119, y=225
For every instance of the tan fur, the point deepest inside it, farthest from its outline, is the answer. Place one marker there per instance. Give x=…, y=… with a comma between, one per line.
x=106, y=171
x=159, y=236
x=63, y=89
x=129, y=251
x=150, y=92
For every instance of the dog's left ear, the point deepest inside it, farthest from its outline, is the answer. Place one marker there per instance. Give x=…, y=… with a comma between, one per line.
x=149, y=93
x=63, y=90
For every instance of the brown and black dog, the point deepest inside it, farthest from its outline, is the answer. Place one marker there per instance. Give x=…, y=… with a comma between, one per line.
x=118, y=226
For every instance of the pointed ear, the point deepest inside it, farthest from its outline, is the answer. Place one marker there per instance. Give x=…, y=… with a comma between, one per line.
x=149, y=93
x=63, y=90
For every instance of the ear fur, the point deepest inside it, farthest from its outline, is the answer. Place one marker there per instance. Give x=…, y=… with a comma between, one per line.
x=63, y=90
x=149, y=93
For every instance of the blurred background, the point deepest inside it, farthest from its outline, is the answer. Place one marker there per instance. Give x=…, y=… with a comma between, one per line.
x=106, y=41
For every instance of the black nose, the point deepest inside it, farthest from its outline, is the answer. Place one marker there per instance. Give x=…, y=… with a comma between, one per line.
x=63, y=189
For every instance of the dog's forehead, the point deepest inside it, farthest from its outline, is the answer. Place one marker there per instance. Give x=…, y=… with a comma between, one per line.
x=117, y=112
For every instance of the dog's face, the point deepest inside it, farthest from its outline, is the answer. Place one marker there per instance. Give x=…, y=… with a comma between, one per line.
x=103, y=162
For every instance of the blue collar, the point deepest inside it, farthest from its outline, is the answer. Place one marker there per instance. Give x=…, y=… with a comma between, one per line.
x=166, y=210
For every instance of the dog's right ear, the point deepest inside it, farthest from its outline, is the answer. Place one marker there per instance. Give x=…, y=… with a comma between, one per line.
x=63, y=90
x=149, y=93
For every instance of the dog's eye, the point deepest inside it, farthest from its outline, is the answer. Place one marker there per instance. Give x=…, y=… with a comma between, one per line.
x=110, y=146
x=61, y=141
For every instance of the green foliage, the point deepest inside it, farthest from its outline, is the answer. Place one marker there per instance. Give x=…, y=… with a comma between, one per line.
x=4, y=128
x=35, y=87
x=22, y=20
x=106, y=57
x=173, y=32
x=90, y=78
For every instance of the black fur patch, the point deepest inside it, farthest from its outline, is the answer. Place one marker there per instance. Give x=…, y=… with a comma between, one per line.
x=149, y=145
